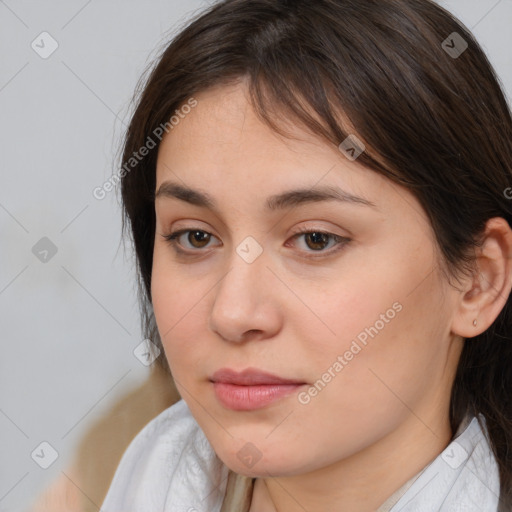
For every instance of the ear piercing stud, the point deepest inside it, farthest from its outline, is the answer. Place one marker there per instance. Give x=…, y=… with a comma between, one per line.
x=474, y=321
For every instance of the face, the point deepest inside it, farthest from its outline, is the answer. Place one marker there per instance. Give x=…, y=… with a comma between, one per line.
x=353, y=315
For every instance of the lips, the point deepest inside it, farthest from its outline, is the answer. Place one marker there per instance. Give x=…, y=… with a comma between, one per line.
x=251, y=389
x=251, y=377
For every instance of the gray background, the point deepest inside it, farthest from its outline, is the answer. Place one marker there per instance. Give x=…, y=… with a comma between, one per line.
x=70, y=324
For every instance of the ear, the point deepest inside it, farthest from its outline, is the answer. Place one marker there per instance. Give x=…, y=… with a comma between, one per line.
x=486, y=293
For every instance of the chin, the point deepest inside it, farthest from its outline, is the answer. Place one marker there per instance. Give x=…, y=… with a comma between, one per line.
x=251, y=462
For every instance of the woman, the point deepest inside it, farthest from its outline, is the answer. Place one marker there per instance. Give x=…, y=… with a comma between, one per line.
x=319, y=198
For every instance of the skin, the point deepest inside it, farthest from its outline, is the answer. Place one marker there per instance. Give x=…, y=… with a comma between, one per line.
x=385, y=415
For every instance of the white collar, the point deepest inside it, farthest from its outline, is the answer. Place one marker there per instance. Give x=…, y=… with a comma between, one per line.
x=464, y=476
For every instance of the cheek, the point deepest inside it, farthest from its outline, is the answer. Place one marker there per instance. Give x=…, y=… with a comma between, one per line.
x=387, y=352
x=347, y=311
x=373, y=323
x=178, y=305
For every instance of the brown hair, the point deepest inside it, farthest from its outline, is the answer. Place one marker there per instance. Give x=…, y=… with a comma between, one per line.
x=435, y=122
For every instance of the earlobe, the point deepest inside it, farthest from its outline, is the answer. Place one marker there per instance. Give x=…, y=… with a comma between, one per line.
x=488, y=290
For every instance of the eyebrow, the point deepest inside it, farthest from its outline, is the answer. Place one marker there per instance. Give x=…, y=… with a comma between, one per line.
x=276, y=202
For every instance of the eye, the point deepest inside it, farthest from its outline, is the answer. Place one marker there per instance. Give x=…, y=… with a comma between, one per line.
x=316, y=240
x=196, y=237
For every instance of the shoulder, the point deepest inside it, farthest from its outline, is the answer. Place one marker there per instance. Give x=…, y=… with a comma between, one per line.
x=163, y=464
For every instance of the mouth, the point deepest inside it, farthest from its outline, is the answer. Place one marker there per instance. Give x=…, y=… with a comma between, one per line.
x=250, y=377
x=251, y=389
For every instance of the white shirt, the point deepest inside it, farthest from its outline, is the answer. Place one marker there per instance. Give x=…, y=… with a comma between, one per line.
x=171, y=467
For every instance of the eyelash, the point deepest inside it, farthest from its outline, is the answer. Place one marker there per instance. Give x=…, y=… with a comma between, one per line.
x=172, y=239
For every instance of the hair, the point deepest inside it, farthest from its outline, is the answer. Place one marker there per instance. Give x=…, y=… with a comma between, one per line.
x=435, y=123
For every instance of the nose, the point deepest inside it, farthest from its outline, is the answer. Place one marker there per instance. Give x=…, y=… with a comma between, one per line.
x=245, y=305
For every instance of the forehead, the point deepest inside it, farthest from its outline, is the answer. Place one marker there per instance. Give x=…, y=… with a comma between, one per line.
x=224, y=147
x=223, y=127
x=225, y=122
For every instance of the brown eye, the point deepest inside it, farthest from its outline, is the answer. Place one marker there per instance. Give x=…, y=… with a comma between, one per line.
x=198, y=239
x=319, y=243
x=195, y=239
x=317, y=240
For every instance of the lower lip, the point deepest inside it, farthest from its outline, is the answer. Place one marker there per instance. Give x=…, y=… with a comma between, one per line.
x=248, y=398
